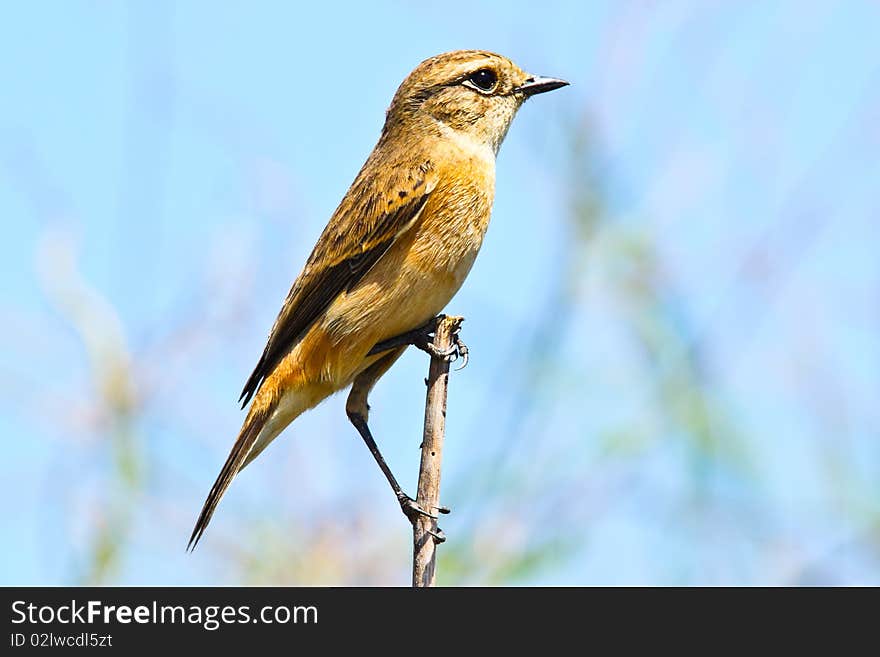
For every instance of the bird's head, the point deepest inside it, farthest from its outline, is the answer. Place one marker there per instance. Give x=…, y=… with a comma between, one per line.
x=465, y=94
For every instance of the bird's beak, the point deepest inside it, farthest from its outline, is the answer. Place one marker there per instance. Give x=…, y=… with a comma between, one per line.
x=538, y=85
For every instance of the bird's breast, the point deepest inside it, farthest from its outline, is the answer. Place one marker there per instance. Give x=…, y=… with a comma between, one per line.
x=423, y=269
x=455, y=220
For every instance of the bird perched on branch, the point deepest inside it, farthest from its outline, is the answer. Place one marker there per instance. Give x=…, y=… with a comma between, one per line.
x=395, y=251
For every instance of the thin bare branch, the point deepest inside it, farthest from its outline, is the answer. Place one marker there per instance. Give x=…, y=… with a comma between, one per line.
x=426, y=534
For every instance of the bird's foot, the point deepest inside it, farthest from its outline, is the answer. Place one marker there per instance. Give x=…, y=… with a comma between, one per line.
x=460, y=350
x=423, y=338
x=411, y=509
x=439, y=536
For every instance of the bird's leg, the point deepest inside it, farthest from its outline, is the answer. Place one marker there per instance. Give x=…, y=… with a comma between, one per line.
x=407, y=504
x=423, y=338
x=358, y=411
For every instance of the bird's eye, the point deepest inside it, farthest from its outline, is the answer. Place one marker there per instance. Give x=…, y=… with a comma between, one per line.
x=485, y=79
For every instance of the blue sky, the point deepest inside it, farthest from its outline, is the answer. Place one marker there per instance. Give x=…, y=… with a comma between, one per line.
x=188, y=155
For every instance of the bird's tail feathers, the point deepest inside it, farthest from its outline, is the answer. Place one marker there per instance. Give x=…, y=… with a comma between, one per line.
x=247, y=438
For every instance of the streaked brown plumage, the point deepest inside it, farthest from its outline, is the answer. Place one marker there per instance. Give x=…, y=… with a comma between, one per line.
x=393, y=254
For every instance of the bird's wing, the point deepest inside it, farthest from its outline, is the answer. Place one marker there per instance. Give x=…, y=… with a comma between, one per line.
x=371, y=217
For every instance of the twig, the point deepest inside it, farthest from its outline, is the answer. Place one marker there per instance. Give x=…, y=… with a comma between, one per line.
x=426, y=535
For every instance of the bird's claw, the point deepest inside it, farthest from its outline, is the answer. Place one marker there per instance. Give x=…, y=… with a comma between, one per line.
x=458, y=349
x=423, y=338
x=461, y=350
x=412, y=510
x=426, y=344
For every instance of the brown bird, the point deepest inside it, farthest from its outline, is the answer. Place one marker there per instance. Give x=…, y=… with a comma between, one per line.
x=393, y=254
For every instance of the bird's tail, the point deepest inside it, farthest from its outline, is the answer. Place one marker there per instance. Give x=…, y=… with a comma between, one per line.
x=238, y=457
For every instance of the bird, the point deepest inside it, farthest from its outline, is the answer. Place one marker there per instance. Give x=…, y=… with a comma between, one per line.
x=393, y=254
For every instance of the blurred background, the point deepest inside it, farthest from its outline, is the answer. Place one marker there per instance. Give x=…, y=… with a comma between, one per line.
x=673, y=324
